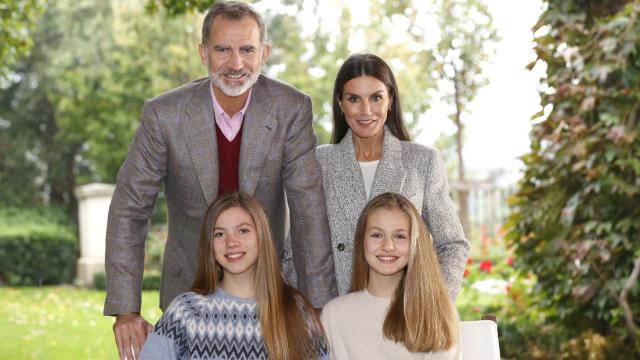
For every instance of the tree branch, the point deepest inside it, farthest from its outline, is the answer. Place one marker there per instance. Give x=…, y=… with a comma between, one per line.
x=622, y=299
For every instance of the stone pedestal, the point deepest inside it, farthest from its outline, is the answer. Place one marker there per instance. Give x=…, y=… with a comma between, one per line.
x=93, y=209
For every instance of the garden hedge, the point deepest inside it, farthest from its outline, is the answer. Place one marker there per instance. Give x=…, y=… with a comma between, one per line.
x=37, y=247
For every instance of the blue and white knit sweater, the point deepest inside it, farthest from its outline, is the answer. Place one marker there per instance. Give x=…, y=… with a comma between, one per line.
x=215, y=326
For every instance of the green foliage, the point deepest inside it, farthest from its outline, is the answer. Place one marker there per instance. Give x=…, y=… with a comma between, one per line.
x=71, y=111
x=149, y=281
x=37, y=246
x=154, y=248
x=16, y=21
x=178, y=7
x=575, y=222
x=464, y=49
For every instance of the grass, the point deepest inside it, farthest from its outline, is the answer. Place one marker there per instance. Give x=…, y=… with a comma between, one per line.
x=61, y=322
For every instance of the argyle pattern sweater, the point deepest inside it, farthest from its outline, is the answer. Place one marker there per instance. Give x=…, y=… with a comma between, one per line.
x=214, y=326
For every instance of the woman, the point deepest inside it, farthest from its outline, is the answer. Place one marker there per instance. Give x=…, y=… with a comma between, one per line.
x=371, y=153
x=240, y=308
x=399, y=307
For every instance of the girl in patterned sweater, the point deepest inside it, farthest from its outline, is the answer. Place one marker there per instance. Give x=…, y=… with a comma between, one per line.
x=239, y=307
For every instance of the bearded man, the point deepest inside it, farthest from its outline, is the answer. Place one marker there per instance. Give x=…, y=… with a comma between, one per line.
x=235, y=130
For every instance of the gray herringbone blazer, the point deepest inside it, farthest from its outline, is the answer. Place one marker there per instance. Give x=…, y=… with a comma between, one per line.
x=175, y=146
x=406, y=168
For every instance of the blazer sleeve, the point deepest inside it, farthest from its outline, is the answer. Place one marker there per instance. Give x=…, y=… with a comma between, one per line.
x=310, y=237
x=137, y=186
x=452, y=247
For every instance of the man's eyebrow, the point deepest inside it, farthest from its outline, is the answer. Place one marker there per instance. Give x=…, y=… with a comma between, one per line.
x=219, y=47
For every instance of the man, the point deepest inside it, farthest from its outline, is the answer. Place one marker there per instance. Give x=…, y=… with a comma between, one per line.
x=235, y=130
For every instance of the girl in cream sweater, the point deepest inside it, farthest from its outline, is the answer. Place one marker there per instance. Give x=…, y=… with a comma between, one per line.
x=399, y=307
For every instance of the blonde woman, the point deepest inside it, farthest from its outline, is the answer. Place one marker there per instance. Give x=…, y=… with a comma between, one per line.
x=399, y=307
x=239, y=307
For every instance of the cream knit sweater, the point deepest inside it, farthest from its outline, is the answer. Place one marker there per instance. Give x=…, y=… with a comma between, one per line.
x=353, y=325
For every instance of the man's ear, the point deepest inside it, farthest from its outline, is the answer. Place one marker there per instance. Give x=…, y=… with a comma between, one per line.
x=266, y=50
x=204, y=57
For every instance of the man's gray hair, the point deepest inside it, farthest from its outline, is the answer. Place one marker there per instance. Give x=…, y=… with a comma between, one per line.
x=232, y=10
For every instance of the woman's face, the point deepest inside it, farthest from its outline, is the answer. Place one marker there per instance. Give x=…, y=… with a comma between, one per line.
x=365, y=103
x=235, y=243
x=387, y=243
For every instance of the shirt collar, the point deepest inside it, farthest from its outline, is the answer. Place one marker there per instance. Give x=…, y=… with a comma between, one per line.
x=219, y=112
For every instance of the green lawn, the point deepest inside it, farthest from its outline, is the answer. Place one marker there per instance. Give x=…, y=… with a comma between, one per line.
x=60, y=323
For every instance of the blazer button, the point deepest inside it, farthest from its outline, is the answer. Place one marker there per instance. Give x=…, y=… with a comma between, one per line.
x=341, y=247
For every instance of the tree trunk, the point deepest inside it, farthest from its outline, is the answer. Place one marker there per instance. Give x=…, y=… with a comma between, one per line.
x=463, y=191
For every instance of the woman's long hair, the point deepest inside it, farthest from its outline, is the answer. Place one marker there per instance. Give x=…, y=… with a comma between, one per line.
x=284, y=313
x=367, y=65
x=420, y=316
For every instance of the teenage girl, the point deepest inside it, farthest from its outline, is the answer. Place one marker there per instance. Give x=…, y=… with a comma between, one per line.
x=239, y=307
x=399, y=307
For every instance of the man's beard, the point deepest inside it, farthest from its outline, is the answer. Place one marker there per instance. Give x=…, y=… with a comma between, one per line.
x=234, y=90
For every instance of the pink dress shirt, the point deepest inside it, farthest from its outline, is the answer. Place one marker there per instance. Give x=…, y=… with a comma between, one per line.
x=230, y=126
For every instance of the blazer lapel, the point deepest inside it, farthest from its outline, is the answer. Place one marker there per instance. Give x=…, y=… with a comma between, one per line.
x=258, y=128
x=201, y=140
x=390, y=174
x=347, y=178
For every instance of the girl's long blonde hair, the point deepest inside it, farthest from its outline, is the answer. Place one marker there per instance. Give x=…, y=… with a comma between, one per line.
x=421, y=315
x=284, y=313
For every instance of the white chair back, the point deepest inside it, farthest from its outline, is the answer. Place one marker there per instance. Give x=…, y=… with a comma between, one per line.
x=480, y=340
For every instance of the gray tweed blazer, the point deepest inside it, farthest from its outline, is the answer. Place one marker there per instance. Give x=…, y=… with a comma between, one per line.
x=175, y=147
x=406, y=168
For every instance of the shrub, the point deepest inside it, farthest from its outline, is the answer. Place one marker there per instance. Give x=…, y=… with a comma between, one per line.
x=150, y=281
x=37, y=247
x=575, y=221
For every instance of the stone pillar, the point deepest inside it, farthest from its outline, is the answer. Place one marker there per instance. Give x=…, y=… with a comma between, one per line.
x=93, y=209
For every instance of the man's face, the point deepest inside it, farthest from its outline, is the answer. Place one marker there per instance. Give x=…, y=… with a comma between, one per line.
x=234, y=55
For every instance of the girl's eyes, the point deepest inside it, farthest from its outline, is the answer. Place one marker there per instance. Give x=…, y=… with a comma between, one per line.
x=218, y=234
x=352, y=99
x=377, y=98
x=377, y=235
x=244, y=230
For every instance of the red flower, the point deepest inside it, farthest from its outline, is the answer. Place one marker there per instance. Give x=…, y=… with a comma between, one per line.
x=485, y=266
x=466, y=272
x=510, y=261
x=469, y=261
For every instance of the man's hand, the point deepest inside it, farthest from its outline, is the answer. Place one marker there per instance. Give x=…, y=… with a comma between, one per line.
x=131, y=331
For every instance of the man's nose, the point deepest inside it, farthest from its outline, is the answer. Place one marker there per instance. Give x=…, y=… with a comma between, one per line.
x=235, y=61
